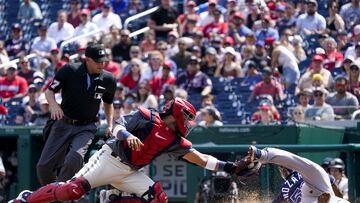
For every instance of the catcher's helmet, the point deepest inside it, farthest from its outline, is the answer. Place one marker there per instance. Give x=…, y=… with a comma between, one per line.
x=184, y=113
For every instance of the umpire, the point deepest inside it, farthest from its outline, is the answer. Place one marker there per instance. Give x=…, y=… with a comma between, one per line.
x=72, y=125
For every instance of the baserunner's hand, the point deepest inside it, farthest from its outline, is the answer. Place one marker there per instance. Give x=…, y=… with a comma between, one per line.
x=56, y=112
x=134, y=142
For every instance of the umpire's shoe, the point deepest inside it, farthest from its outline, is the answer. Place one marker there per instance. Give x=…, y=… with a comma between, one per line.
x=22, y=197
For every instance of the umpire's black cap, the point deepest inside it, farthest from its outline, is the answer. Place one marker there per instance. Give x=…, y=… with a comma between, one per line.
x=96, y=52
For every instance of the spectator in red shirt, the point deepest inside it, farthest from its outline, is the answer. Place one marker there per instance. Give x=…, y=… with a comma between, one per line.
x=217, y=27
x=190, y=10
x=95, y=6
x=73, y=16
x=12, y=85
x=131, y=79
x=334, y=58
x=268, y=86
x=158, y=83
x=111, y=66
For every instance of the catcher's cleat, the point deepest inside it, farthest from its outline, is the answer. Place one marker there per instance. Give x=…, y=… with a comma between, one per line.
x=22, y=197
x=324, y=198
x=253, y=153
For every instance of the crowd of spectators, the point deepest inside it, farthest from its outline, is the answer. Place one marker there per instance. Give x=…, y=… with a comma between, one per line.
x=296, y=55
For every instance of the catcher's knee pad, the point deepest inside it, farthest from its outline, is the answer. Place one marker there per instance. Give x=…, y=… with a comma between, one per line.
x=72, y=190
x=157, y=194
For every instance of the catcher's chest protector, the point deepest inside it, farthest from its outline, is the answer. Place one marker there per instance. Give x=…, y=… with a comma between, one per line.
x=156, y=138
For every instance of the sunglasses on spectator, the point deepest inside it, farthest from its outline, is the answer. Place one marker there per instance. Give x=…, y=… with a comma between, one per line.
x=142, y=87
x=193, y=63
x=32, y=91
x=354, y=69
x=318, y=94
x=297, y=113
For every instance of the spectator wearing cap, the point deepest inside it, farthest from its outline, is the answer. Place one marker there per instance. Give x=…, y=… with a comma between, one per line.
x=237, y=28
x=210, y=63
x=269, y=86
x=163, y=25
x=286, y=61
x=350, y=51
x=304, y=98
x=311, y=22
x=73, y=17
x=287, y=17
x=266, y=30
x=354, y=79
x=121, y=50
x=148, y=44
x=43, y=44
x=158, y=83
x=210, y=117
x=54, y=65
x=29, y=10
x=317, y=81
x=343, y=102
x=85, y=25
x=334, y=22
x=132, y=78
x=350, y=12
x=190, y=10
x=316, y=67
x=334, y=58
x=343, y=41
x=129, y=103
x=173, y=40
x=182, y=58
x=217, y=27
x=114, y=68
x=260, y=56
x=61, y=30
x=106, y=19
x=320, y=110
x=337, y=169
x=193, y=80
x=207, y=17
x=230, y=66
x=12, y=85
x=95, y=6
x=16, y=45
x=144, y=96
x=265, y=115
x=252, y=75
x=25, y=70
x=196, y=51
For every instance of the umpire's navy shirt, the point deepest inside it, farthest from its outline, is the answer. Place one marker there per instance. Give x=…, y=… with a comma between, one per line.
x=81, y=92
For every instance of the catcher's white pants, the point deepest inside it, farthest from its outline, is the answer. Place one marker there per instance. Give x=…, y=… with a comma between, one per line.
x=103, y=169
x=316, y=180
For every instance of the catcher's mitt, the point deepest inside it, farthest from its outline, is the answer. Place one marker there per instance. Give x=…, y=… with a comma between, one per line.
x=246, y=168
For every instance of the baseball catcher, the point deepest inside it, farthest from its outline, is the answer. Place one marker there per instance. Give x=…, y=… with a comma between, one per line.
x=138, y=138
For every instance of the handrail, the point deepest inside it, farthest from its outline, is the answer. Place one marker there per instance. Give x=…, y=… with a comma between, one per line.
x=64, y=43
x=139, y=15
x=16, y=60
x=138, y=32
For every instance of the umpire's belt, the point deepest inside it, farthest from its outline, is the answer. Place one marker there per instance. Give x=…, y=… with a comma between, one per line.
x=79, y=122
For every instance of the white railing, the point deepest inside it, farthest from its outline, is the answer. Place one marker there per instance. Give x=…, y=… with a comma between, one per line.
x=16, y=60
x=74, y=39
x=139, y=15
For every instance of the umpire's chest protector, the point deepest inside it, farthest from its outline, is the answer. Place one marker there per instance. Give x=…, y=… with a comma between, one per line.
x=156, y=137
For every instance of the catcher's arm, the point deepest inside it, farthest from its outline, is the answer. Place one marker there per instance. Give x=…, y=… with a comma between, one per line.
x=239, y=168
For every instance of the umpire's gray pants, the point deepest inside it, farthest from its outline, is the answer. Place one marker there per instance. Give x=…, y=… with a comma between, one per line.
x=64, y=150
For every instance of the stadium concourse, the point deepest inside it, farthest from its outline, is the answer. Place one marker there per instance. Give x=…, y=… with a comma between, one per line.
x=261, y=62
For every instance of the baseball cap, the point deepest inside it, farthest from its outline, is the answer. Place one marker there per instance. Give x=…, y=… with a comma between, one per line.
x=230, y=50
x=85, y=12
x=356, y=30
x=55, y=50
x=167, y=65
x=211, y=50
x=194, y=58
x=96, y=52
x=16, y=26
x=12, y=66
x=318, y=57
x=212, y=112
x=264, y=105
x=341, y=77
x=174, y=34
x=267, y=71
x=354, y=65
x=32, y=88
x=312, y=2
x=239, y=15
x=196, y=49
x=317, y=76
x=212, y=2
x=320, y=51
x=42, y=26
x=260, y=43
x=319, y=89
x=229, y=40
x=305, y=92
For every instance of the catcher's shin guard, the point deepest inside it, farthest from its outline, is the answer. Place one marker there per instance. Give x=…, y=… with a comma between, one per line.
x=72, y=190
x=157, y=194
